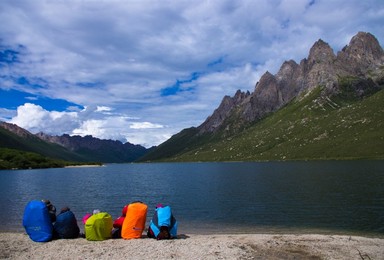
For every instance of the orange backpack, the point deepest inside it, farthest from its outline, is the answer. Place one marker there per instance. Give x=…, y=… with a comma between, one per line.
x=134, y=222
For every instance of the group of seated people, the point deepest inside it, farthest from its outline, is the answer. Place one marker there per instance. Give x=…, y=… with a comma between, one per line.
x=42, y=224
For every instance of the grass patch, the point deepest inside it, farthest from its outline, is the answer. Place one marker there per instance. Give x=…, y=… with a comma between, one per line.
x=16, y=159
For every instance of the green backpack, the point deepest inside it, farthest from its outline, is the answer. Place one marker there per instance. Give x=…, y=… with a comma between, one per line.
x=98, y=227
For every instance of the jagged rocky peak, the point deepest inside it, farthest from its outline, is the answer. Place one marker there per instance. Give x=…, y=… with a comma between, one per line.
x=266, y=85
x=363, y=53
x=290, y=80
x=240, y=96
x=318, y=69
x=266, y=95
x=288, y=69
x=235, y=100
x=364, y=44
x=321, y=52
x=221, y=113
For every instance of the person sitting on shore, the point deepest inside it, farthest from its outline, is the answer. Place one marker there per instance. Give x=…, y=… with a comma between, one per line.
x=134, y=222
x=66, y=225
x=163, y=224
x=51, y=209
x=98, y=226
x=37, y=221
x=88, y=215
x=118, y=223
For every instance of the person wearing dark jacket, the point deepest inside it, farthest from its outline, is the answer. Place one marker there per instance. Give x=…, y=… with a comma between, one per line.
x=66, y=225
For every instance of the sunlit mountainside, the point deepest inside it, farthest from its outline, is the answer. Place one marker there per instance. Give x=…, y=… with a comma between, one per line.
x=327, y=107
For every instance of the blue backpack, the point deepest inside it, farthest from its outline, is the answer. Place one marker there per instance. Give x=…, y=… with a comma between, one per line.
x=163, y=224
x=37, y=221
x=66, y=226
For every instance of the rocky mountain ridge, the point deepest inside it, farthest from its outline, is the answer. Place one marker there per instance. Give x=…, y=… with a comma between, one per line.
x=15, y=129
x=88, y=148
x=362, y=58
x=96, y=148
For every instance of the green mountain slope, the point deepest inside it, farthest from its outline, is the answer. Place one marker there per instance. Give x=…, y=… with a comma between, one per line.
x=34, y=144
x=314, y=127
x=179, y=143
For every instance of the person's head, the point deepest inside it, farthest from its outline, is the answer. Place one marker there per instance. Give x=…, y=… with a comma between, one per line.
x=65, y=209
x=49, y=205
x=95, y=211
x=159, y=205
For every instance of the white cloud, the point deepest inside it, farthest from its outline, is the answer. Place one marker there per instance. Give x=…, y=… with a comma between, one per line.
x=89, y=122
x=103, y=109
x=36, y=119
x=91, y=127
x=115, y=57
x=145, y=125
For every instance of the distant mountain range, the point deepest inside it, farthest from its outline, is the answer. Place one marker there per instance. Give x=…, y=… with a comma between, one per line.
x=327, y=107
x=69, y=148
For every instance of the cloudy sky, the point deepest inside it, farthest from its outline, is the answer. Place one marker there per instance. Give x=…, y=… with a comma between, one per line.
x=142, y=70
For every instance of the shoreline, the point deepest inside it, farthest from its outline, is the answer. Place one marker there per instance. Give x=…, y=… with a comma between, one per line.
x=84, y=166
x=192, y=246
x=251, y=230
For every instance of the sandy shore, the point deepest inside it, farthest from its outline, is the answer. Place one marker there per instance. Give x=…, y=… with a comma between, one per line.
x=249, y=246
x=83, y=166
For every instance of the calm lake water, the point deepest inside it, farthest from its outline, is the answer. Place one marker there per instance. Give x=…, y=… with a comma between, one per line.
x=270, y=197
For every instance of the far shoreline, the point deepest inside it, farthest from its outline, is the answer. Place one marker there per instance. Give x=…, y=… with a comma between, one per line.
x=84, y=166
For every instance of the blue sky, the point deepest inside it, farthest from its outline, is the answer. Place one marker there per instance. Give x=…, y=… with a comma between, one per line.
x=141, y=71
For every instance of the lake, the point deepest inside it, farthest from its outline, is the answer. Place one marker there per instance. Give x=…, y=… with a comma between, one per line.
x=340, y=197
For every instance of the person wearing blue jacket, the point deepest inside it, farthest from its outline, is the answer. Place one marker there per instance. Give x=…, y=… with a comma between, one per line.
x=163, y=224
x=37, y=220
x=66, y=225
